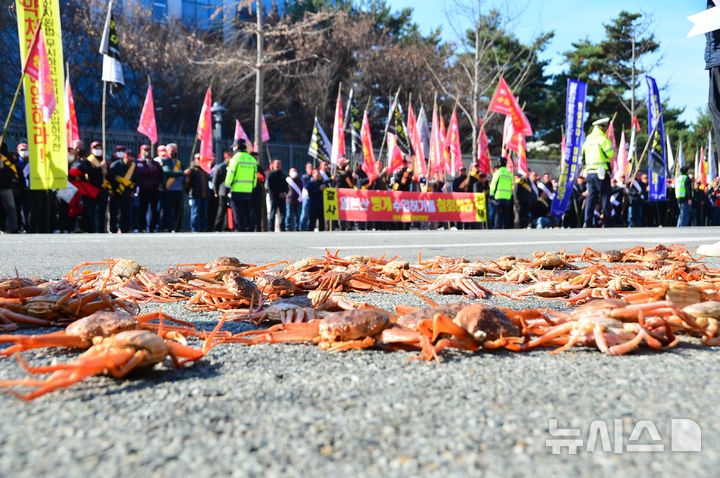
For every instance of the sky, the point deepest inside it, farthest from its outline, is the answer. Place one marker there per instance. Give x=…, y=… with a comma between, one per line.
x=679, y=66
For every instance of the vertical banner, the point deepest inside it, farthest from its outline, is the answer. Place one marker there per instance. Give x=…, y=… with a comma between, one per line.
x=47, y=142
x=657, y=160
x=574, y=114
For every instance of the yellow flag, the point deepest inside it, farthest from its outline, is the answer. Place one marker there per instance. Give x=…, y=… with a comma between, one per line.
x=47, y=142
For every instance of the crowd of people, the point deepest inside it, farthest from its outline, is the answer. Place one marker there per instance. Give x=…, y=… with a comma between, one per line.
x=136, y=192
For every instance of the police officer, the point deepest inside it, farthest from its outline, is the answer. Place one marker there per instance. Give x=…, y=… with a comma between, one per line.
x=596, y=153
x=241, y=179
x=501, y=192
x=684, y=194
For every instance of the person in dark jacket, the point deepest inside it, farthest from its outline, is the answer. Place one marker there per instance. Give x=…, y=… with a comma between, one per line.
x=9, y=177
x=172, y=186
x=220, y=191
x=91, y=167
x=277, y=189
x=523, y=197
x=315, y=190
x=197, y=181
x=149, y=176
x=122, y=177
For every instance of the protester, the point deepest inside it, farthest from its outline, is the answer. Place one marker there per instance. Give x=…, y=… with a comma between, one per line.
x=220, y=191
x=197, y=181
x=315, y=190
x=149, y=176
x=172, y=187
x=122, y=176
x=241, y=179
x=305, y=207
x=595, y=155
x=9, y=178
x=277, y=189
x=501, y=193
x=293, y=201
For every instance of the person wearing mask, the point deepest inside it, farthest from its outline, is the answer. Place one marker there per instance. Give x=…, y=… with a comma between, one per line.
x=149, y=177
x=293, y=201
x=241, y=179
x=122, y=176
x=197, y=180
x=9, y=177
x=636, y=192
x=523, y=200
x=220, y=191
x=305, y=204
x=173, y=190
x=595, y=155
x=22, y=204
x=92, y=169
x=277, y=189
x=501, y=192
x=315, y=190
x=258, y=201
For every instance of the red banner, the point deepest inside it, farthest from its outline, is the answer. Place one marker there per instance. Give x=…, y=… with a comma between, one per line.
x=393, y=206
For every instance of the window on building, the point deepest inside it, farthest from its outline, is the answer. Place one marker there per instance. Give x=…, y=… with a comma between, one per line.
x=157, y=7
x=198, y=13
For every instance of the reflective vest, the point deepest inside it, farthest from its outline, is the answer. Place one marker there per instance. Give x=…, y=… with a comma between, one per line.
x=597, y=150
x=501, y=185
x=681, y=187
x=241, y=173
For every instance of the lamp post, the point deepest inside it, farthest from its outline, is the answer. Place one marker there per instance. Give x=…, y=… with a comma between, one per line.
x=217, y=111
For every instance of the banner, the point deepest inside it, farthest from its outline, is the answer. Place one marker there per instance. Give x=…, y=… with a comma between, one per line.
x=395, y=206
x=657, y=160
x=47, y=142
x=112, y=71
x=574, y=117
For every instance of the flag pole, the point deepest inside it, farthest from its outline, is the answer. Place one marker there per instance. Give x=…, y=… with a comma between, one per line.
x=13, y=104
x=393, y=105
x=104, y=101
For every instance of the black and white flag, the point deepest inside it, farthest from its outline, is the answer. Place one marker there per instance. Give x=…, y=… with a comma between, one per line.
x=110, y=49
x=319, y=144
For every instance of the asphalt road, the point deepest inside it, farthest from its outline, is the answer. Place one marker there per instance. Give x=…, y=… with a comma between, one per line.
x=298, y=411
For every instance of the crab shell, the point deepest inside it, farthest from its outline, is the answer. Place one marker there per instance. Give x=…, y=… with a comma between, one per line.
x=352, y=325
x=485, y=322
x=704, y=310
x=600, y=308
x=411, y=319
x=612, y=255
x=101, y=324
x=242, y=287
x=394, y=267
x=225, y=261
x=154, y=347
x=125, y=268
x=275, y=284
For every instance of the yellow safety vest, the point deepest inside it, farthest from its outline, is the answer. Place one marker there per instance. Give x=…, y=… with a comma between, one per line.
x=681, y=190
x=501, y=185
x=241, y=173
x=597, y=150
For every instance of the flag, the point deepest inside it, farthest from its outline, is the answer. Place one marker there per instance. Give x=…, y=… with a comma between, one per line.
x=509, y=137
x=147, y=125
x=338, y=140
x=411, y=125
x=453, y=141
x=504, y=102
x=632, y=155
x=702, y=175
x=712, y=168
x=204, y=133
x=264, y=133
x=436, y=145
x=352, y=124
x=73, y=131
x=368, y=154
x=680, y=156
x=43, y=85
x=319, y=144
x=423, y=132
x=622, y=160
x=110, y=49
x=610, y=133
x=670, y=158
x=400, y=130
x=241, y=135
x=395, y=157
x=657, y=156
x=635, y=124
x=419, y=164
x=522, y=155
x=445, y=160
x=696, y=170
x=483, y=151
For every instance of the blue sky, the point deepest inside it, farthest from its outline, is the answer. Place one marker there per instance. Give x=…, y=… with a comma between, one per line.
x=682, y=67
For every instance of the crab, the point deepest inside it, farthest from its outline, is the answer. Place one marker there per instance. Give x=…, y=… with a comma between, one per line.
x=458, y=283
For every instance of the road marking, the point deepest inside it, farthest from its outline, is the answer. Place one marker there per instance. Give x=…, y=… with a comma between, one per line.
x=638, y=240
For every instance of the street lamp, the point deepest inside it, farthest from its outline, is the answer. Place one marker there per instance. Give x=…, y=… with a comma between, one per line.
x=217, y=111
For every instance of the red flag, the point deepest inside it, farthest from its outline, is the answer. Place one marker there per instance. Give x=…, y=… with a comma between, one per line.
x=71, y=125
x=37, y=68
x=610, y=133
x=147, y=125
x=453, y=142
x=436, y=146
x=703, y=175
x=411, y=123
x=338, y=140
x=483, y=151
x=264, y=130
x=504, y=102
x=635, y=123
x=204, y=133
x=368, y=154
x=445, y=162
x=241, y=135
x=395, y=159
x=522, y=155
x=509, y=136
x=419, y=164
x=31, y=66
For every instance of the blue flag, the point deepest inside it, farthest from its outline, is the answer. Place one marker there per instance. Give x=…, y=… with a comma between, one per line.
x=574, y=115
x=657, y=158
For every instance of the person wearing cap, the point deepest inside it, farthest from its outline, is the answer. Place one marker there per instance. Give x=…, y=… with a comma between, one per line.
x=501, y=195
x=122, y=177
x=91, y=168
x=196, y=185
x=596, y=154
x=220, y=191
x=148, y=175
x=241, y=179
x=172, y=186
x=277, y=189
x=9, y=177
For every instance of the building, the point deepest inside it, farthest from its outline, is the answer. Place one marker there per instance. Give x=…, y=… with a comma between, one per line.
x=202, y=14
